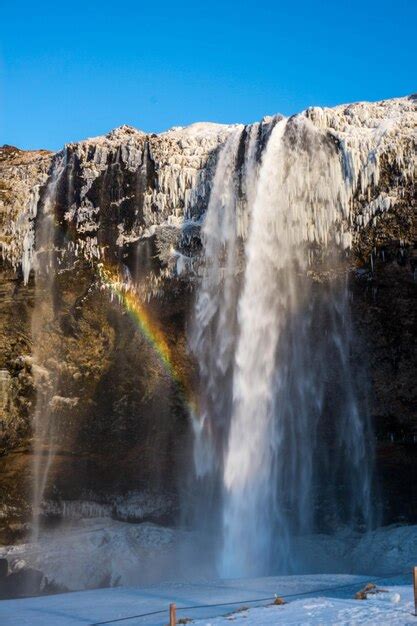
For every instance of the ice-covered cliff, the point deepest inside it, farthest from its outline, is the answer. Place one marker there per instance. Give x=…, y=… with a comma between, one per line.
x=129, y=186
x=136, y=202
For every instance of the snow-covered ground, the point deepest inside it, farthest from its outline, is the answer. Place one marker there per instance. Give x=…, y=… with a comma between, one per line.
x=393, y=607
x=149, y=561
x=326, y=607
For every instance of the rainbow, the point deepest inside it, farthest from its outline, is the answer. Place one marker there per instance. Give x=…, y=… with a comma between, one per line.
x=130, y=300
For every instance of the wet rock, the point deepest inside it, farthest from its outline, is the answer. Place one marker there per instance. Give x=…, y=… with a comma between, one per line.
x=25, y=582
x=4, y=568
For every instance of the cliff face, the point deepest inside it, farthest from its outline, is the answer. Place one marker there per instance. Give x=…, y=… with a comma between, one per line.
x=21, y=176
x=131, y=204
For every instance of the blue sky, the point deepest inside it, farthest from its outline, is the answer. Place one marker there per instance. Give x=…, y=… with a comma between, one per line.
x=69, y=70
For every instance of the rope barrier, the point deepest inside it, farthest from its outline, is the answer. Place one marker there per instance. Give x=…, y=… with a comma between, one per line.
x=123, y=619
x=220, y=604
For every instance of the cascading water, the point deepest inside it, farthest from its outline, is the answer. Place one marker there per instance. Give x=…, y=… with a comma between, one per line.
x=43, y=315
x=215, y=330
x=281, y=431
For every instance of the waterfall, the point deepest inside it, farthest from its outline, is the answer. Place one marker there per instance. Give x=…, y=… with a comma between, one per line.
x=282, y=439
x=215, y=328
x=45, y=374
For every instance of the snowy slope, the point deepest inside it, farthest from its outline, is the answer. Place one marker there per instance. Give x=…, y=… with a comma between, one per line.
x=119, y=553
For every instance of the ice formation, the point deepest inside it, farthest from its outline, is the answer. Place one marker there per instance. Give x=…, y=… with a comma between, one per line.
x=168, y=177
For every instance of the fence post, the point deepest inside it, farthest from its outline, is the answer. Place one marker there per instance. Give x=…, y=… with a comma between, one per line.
x=173, y=614
x=415, y=589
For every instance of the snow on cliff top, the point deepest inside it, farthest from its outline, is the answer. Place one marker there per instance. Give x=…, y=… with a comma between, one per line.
x=201, y=129
x=376, y=117
x=197, y=131
x=342, y=118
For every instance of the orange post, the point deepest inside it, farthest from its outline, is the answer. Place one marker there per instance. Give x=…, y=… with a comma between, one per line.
x=415, y=589
x=173, y=614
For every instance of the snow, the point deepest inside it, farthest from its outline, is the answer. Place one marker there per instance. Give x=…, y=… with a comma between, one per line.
x=94, y=552
x=131, y=506
x=370, y=133
x=98, y=551
x=201, y=130
x=337, y=606
x=82, y=553
x=382, y=551
x=395, y=606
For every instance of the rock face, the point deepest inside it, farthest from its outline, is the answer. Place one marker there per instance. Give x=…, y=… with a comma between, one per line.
x=132, y=204
x=128, y=187
x=21, y=176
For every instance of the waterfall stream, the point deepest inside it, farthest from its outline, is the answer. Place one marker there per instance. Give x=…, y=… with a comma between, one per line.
x=42, y=318
x=282, y=431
